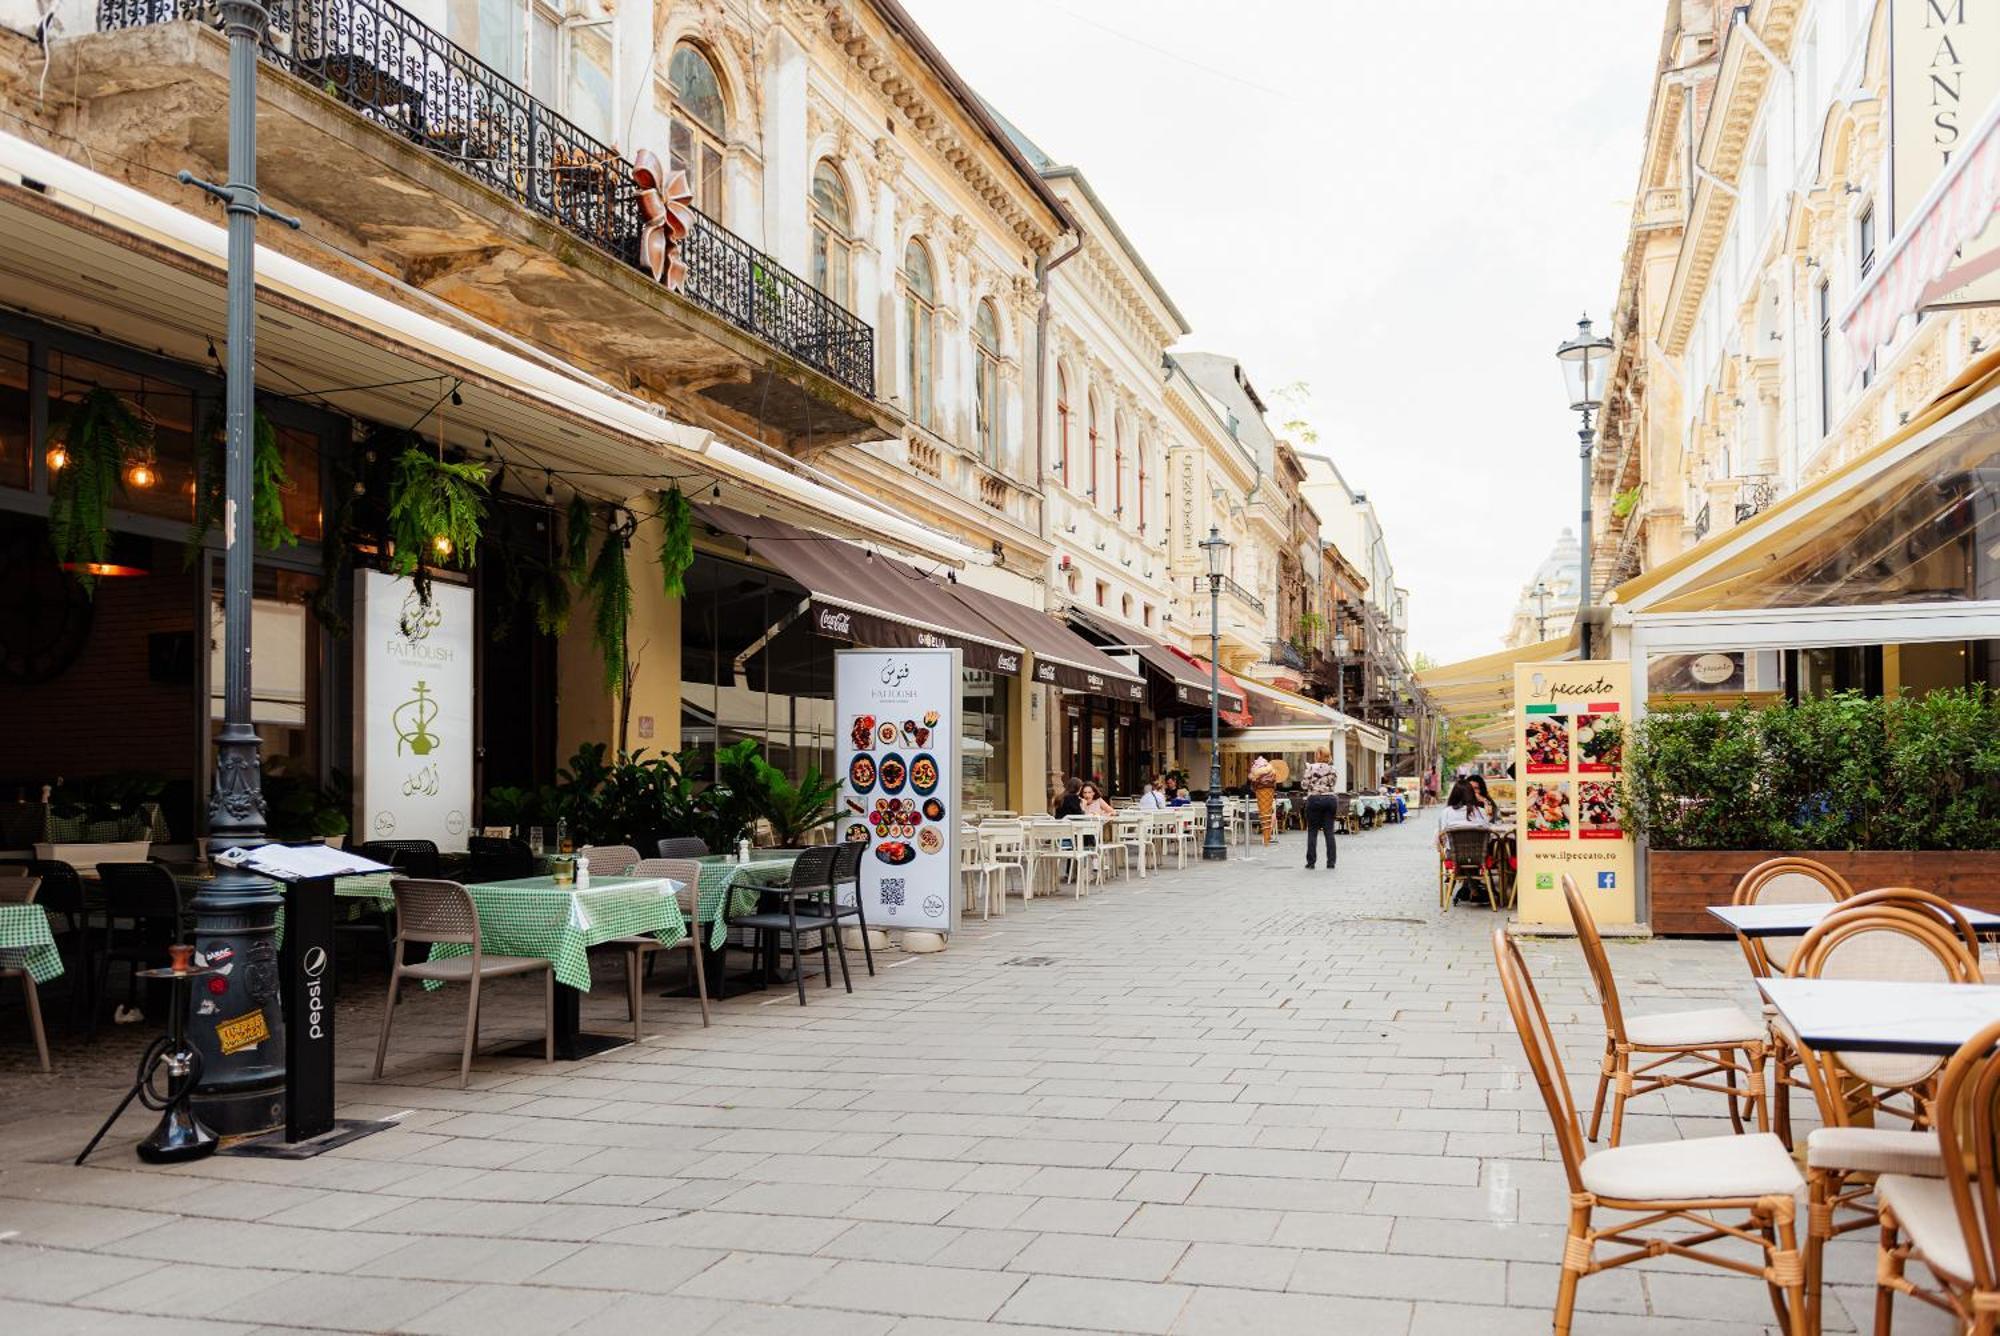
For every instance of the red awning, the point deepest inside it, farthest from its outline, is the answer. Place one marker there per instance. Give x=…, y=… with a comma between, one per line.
x=1921, y=265
x=1235, y=709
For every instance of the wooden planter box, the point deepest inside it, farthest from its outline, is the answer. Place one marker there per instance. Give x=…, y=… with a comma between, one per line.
x=1683, y=884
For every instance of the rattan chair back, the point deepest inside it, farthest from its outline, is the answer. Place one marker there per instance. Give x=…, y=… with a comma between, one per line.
x=1922, y=902
x=1544, y=1054
x=1466, y=847
x=1593, y=956
x=1789, y=880
x=1968, y=1121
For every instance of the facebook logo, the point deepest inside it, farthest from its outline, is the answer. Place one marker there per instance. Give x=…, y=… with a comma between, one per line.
x=1607, y=881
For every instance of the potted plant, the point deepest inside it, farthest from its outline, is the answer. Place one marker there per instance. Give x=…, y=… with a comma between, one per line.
x=793, y=810
x=103, y=819
x=1899, y=791
x=298, y=809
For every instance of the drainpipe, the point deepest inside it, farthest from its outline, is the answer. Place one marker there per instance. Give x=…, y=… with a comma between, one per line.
x=1043, y=268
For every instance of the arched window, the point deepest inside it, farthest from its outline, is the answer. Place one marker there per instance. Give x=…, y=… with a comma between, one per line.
x=1090, y=428
x=1118, y=466
x=920, y=319
x=832, y=232
x=1062, y=426
x=698, y=126
x=986, y=383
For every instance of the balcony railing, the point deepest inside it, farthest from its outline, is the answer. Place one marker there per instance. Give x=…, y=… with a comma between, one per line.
x=1757, y=495
x=1701, y=524
x=409, y=79
x=1287, y=655
x=1234, y=590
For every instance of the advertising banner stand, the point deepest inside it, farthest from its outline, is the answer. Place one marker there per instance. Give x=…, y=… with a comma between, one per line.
x=413, y=716
x=896, y=715
x=1569, y=731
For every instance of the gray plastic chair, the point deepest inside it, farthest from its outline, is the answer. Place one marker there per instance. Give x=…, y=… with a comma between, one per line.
x=688, y=873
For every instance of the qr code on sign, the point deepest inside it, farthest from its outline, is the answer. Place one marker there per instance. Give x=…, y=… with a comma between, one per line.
x=892, y=890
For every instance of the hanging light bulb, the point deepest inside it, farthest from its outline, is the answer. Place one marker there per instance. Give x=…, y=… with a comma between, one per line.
x=442, y=545
x=58, y=458
x=141, y=473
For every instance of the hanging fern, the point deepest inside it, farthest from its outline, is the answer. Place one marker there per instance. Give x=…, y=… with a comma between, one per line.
x=676, y=542
x=96, y=435
x=268, y=477
x=549, y=596
x=576, y=534
x=431, y=500
x=610, y=585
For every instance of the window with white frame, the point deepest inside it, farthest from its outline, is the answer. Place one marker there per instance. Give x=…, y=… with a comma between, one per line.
x=698, y=125
x=832, y=233
x=986, y=383
x=920, y=324
x=559, y=55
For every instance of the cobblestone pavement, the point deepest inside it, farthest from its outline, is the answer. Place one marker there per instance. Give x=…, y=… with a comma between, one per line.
x=1239, y=1098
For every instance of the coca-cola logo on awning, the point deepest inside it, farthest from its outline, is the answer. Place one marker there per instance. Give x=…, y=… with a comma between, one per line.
x=834, y=622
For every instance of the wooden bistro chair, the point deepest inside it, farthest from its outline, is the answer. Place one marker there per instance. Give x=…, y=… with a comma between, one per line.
x=1951, y=1222
x=1464, y=858
x=1726, y=1042
x=1899, y=937
x=1723, y=1189
x=1783, y=881
x=441, y=913
x=639, y=949
x=17, y=888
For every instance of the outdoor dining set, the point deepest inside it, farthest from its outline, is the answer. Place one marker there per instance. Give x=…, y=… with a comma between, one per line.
x=1874, y=1009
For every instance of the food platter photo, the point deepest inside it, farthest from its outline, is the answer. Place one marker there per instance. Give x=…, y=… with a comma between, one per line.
x=861, y=774
x=895, y=852
x=923, y=773
x=862, y=734
x=892, y=773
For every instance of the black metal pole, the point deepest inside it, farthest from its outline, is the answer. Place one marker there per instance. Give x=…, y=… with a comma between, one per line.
x=1214, y=844
x=1584, y=437
x=236, y=1018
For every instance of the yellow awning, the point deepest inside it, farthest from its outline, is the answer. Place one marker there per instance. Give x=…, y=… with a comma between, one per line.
x=1485, y=685
x=1705, y=573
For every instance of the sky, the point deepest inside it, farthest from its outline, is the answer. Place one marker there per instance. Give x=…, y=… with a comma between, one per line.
x=1403, y=208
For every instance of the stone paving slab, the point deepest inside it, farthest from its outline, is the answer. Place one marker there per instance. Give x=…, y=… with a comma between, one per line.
x=1232, y=1099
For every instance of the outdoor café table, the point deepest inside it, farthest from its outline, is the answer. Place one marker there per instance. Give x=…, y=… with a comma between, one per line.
x=728, y=888
x=1877, y=1016
x=533, y=916
x=25, y=942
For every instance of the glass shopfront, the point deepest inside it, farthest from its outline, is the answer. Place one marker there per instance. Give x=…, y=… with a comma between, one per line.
x=983, y=745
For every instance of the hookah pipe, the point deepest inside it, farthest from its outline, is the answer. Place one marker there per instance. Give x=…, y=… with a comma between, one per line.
x=180, y=1134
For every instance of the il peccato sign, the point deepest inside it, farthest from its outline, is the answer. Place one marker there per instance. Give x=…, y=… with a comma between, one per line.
x=1569, y=752
x=897, y=714
x=413, y=667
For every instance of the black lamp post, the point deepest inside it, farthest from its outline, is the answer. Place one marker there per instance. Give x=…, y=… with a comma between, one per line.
x=1214, y=845
x=1583, y=359
x=237, y=1019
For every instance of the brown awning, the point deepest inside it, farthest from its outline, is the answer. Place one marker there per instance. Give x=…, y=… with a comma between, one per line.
x=867, y=599
x=1185, y=684
x=1062, y=657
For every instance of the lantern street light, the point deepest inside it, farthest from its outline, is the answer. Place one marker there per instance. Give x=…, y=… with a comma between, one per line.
x=1214, y=846
x=1583, y=360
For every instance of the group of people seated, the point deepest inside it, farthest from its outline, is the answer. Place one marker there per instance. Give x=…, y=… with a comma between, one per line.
x=1082, y=797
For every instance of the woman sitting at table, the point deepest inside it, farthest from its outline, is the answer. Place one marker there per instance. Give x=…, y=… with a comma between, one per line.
x=1462, y=811
x=1170, y=792
x=1092, y=803
x=1154, y=799
x=1070, y=804
x=1485, y=799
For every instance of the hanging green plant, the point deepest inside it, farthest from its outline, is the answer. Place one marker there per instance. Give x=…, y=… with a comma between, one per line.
x=94, y=436
x=610, y=586
x=576, y=534
x=435, y=512
x=676, y=541
x=268, y=476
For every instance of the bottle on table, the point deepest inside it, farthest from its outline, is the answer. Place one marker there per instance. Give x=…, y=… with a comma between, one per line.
x=563, y=846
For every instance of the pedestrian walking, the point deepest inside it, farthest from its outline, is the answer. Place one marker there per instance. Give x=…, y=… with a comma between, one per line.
x=1320, y=785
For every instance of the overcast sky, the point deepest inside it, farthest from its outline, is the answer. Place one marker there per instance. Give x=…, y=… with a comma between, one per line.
x=1405, y=207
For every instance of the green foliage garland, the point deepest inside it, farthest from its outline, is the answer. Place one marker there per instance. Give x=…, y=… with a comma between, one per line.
x=610, y=586
x=576, y=535
x=676, y=541
x=96, y=435
x=211, y=488
x=430, y=499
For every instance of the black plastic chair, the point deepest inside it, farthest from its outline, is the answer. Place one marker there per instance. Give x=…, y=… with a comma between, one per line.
x=491, y=859
x=847, y=872
x=684, y=846
x=812, y=883
x=148, y=900
x=415, y=858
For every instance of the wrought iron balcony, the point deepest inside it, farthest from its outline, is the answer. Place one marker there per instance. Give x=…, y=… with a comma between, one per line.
x=404, y=76
x=1287, y=655
x=1757, y=495
x=1701, y=523
x=1233, y=590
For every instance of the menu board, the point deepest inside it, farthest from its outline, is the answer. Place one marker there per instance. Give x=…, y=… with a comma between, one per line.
x=1569, y=750
x=897, y=717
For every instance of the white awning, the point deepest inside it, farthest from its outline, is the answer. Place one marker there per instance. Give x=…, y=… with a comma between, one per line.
x=1919, y=265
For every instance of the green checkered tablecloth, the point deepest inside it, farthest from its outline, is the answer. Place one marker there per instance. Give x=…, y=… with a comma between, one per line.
x=25, y=940
x=723, y=876
x=535, y=917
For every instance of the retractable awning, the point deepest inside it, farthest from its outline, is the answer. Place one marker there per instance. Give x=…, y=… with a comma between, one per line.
x=1235, y=709
x=868, y=599
x=1184, y=683
x=1062, y=658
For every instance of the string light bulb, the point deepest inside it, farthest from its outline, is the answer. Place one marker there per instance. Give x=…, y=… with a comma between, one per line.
x=58, y=459
x=141, y=474
x=442, y=545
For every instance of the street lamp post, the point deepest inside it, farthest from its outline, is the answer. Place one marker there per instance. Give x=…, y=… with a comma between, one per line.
x=1541, y=593
x=1583, y=359
x=1214, y=846
x=237, y=1020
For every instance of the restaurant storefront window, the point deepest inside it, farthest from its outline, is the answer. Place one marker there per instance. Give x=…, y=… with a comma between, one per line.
x=983, y=745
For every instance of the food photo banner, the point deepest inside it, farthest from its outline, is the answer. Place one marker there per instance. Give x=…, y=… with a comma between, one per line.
x=413, y=664
x=1569, y=730
x=898, y=717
